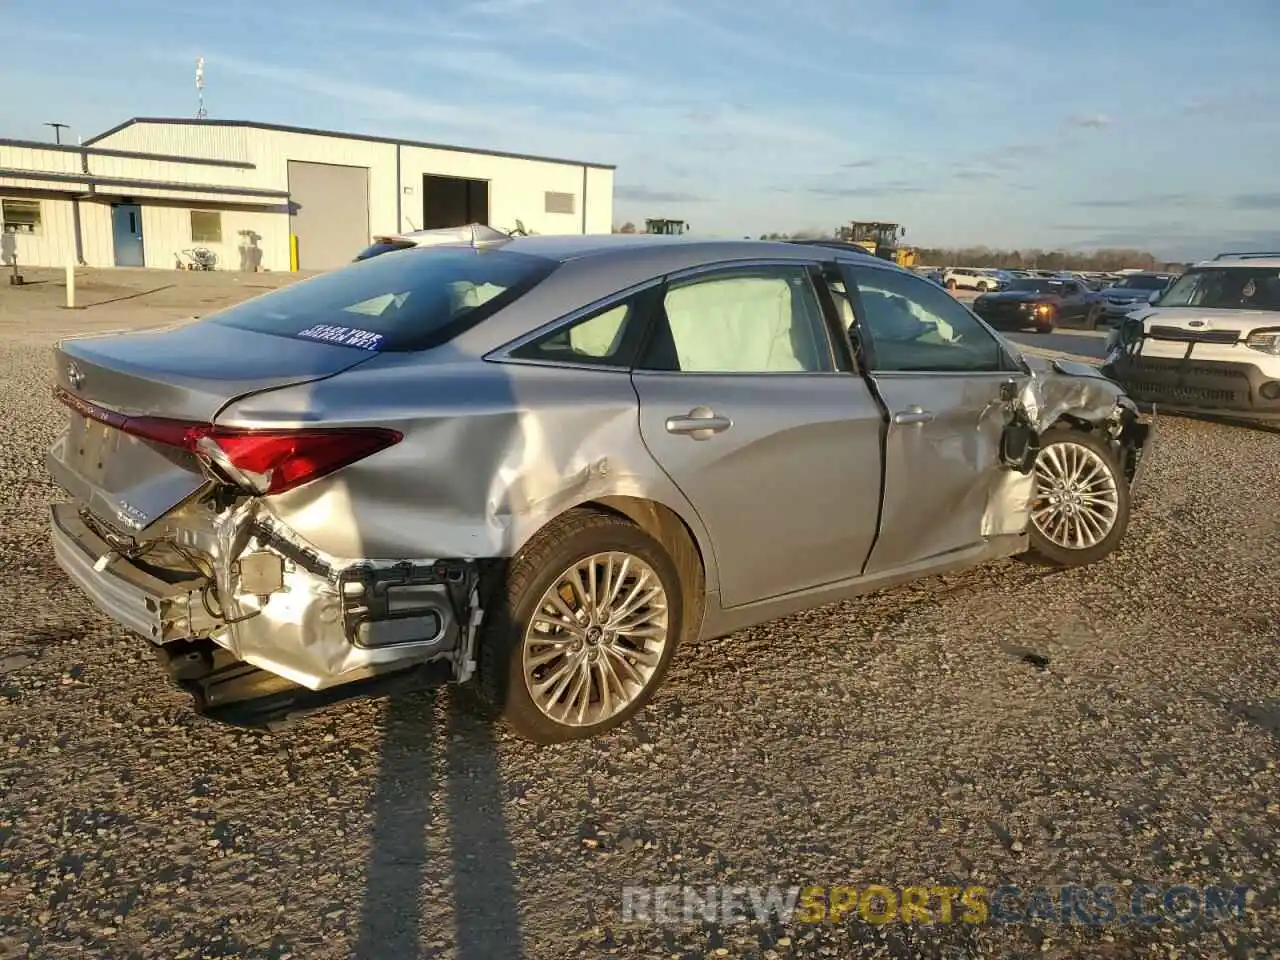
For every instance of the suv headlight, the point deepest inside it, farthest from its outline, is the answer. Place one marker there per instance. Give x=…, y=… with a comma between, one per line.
x=1266, y=340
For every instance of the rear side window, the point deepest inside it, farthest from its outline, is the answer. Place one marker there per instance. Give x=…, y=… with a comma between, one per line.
x=742, y=320
x=402, y=300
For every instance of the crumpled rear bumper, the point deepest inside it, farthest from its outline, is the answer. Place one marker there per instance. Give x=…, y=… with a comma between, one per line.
x=147, y=605
x=274, y=603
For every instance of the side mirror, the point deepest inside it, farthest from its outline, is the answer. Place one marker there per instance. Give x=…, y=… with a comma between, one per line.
x=1153, y=296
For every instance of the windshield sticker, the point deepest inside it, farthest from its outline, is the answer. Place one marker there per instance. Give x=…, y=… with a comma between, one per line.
x=343, y=336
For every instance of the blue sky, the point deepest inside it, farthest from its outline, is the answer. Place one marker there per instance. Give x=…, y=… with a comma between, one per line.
x=1054, y=124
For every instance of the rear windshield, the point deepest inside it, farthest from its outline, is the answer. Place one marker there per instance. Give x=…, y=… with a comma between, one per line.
x=1032, y=285
x=401, y=300
x=1144, y=283
x=1226, y=288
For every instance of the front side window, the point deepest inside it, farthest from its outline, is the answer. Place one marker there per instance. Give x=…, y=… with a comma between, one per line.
x=747, y=320
x=403, y=300
x=915, y=326
x=20, y=216
x=1226, y=288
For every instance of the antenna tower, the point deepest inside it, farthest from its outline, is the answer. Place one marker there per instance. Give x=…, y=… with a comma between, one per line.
x=201, y=113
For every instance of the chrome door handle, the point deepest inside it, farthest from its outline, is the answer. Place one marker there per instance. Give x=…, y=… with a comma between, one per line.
x=700, y=423
x=913, y=414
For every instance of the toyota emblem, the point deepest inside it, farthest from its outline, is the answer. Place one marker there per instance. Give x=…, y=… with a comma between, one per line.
x=75, y=376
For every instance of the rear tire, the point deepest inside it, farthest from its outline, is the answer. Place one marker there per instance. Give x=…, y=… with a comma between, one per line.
x=530, y=640
x=1091, y=514
x=951, y=284
x=1091, y=319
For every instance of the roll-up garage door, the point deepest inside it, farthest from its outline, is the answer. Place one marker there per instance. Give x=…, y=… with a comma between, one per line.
x=329, y=214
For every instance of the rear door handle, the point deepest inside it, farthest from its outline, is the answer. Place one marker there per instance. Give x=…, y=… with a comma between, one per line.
x=700, y=423
x=913, y=414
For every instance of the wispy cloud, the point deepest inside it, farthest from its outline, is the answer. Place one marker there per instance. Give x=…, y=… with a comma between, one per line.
x=642, y=194
x=859, y=164
x=1089, y=121
x=1146, y=201
x=974, y=175
x=868, y=190
x=385, y=101
x=1256, y=201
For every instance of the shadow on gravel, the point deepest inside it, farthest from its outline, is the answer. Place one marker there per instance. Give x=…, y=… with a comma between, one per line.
x=1265, y=715
x=420, y=760
x=129, y=296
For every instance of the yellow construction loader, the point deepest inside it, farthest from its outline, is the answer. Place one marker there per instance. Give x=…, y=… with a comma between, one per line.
x=880, y=240
x=665, y=227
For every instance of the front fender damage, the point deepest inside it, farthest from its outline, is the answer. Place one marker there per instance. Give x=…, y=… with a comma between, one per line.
x=1052, y=393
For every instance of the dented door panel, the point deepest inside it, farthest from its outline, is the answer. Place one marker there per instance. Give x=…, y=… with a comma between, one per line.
x=942, y=463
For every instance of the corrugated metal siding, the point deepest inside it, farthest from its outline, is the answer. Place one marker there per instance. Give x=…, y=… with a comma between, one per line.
x=517, y=189
x=28, y=158
x=181, y=140
x=54, y=245
x=599, y=200
x=166, y=233
x=166, y=172
x=96, y=240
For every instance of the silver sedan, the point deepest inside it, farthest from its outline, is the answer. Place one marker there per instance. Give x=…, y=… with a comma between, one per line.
x=538, y=466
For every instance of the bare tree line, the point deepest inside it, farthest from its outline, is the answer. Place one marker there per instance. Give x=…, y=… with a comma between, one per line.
x=1101, y=261
x=1093, y=260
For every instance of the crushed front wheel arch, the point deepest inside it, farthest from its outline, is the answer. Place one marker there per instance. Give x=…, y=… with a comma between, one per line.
x=1077, y=502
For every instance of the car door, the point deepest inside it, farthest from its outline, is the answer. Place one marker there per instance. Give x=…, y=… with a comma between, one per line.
x=1074, y=305
x=939, y=371
x=754, y=410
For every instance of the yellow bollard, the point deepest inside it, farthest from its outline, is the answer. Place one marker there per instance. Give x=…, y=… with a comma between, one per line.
x=293, y=252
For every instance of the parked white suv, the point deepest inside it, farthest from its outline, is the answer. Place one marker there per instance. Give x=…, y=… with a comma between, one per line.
x=969, y=278
x=1209, y=344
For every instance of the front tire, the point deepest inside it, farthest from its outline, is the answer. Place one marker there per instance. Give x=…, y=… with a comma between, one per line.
x=951, y=284
x=1080, y=505
x=582, y=631
x=1091, y=319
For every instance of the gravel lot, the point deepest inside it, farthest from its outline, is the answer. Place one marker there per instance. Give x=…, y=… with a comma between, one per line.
x=1112, y=725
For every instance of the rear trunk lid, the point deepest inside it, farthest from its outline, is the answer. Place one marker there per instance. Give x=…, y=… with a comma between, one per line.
x=187, y=372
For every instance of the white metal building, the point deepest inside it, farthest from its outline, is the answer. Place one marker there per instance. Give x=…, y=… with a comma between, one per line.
x=269, y=197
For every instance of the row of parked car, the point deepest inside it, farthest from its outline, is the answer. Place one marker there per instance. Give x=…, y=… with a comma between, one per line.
x=1041, y=299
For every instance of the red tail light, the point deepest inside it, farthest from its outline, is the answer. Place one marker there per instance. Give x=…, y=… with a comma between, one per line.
x=263, y=461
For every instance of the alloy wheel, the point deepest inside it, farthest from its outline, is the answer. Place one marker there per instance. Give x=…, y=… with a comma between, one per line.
x=596, y=639
x=1076, y=503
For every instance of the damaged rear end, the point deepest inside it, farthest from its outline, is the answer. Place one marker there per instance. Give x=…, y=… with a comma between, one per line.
x=172, y=527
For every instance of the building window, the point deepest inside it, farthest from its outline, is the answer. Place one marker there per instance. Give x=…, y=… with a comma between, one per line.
x=20, y=216
x=206, y=226
x=560, y=202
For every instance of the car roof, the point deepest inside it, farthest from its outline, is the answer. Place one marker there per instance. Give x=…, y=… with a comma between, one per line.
x=1266, y=260
x=648, y=251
